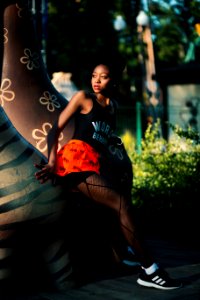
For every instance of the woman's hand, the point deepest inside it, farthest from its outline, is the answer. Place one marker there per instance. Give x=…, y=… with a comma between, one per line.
x=46, y=172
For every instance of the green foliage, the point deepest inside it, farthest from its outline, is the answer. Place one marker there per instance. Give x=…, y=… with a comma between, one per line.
x=166, y=173
x=173, y=26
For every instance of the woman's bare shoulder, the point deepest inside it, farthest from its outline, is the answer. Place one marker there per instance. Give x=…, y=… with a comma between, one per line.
x=83, y=99
x=82, y=94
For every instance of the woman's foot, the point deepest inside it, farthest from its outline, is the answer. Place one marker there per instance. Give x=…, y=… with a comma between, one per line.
x=159, y=280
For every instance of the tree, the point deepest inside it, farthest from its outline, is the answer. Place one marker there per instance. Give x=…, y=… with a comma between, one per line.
x=78, y=31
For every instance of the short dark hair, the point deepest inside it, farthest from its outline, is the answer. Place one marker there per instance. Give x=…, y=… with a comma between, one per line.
x=115, y=64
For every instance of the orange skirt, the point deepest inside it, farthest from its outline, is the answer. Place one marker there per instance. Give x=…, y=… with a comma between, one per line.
x=77, y=156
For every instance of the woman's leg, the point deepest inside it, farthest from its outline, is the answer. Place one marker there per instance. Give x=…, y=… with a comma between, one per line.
x=97, y=189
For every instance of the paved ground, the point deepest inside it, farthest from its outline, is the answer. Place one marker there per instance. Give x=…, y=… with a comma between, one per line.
x=180, y=260
x=175, y=245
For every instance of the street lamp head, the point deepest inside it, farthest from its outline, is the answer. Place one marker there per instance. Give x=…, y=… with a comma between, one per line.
x=142, y=19
x=119, y=23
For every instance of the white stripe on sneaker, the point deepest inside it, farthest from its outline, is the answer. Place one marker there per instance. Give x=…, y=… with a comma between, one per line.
x=158, y=280
x=155, y=278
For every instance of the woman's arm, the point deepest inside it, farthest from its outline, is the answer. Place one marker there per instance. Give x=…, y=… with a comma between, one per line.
x=76, y=103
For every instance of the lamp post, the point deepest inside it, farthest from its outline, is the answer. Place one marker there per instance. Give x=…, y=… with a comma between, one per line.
x=142, y=21
x=150, y=85
x=39, y=10
x=44, y=13
x=120, y=25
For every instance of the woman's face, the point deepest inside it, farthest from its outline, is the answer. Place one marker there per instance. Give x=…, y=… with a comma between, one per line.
x=101, y=80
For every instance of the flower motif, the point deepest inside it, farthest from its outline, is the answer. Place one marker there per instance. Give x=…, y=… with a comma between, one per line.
x=19, y=10
x=30, y=59
x=50, y=101
x=5, y=93
x=5, y=35
x=40, y=135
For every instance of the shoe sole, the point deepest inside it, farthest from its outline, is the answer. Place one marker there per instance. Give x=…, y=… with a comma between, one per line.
x=151, y=284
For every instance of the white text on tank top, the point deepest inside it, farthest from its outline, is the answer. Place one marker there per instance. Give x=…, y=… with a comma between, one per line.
x=102, y=132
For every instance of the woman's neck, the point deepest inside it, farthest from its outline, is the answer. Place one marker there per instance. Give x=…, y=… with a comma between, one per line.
x=103, y=100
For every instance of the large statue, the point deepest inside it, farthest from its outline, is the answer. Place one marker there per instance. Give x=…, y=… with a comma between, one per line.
x=31, y=103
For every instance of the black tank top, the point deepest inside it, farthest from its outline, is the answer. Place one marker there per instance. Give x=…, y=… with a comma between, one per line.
x=96, y=127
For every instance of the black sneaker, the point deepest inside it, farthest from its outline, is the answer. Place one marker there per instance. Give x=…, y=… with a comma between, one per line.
x=159, y=280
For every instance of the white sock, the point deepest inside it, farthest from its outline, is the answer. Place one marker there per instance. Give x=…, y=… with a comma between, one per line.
x=150, y=270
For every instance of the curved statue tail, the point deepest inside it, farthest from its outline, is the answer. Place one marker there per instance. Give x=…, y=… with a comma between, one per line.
x=28, y=96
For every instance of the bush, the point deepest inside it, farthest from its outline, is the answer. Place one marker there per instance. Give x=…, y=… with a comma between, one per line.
x=166, y=173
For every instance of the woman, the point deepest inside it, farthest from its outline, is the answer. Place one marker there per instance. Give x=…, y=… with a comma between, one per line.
x=79, y=161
